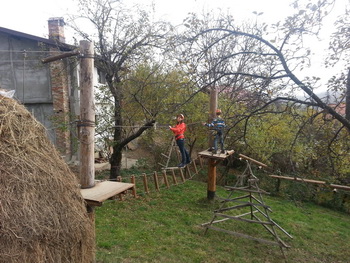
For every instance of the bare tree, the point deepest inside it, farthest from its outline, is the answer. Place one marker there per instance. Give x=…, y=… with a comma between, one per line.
x=123, y=38
x=261, y=61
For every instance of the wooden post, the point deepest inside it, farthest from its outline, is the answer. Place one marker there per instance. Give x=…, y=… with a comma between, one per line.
x=119, y=179
x=201, y=162
x=166, y=179
x=133, y=181
x=211, y=164
x=188, y=171
x=145, y=183
x=182, y=176
x=86, y=125
x=155, y=175
x=211, y=179
x=174, y=176
x=195, y=166
x=87, y=116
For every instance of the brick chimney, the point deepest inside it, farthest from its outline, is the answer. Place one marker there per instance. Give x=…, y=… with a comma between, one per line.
x=56, y=29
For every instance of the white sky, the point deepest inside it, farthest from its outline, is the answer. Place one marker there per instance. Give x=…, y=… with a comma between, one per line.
x=30, y=16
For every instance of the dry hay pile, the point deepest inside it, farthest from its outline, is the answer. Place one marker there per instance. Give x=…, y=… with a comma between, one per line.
x=43, y=216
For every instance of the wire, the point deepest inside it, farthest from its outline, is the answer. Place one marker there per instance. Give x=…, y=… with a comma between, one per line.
x=33, y=51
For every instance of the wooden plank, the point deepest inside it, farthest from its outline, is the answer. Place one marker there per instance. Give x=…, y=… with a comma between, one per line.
x=297, y=179
x=342, y=187
x=172, y=168
x=104, y=190
x=218, y=156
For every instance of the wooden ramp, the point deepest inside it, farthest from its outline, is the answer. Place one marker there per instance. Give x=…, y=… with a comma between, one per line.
x=95, y=196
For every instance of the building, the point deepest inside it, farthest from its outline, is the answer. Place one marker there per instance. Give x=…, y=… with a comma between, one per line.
x=48, y=90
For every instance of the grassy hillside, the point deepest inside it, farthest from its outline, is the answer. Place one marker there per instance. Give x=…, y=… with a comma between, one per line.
x=165, y=227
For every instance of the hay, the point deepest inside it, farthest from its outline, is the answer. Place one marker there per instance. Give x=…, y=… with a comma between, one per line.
x=43, y=216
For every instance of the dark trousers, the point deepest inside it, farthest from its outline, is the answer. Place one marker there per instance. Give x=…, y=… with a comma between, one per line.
x=219, y=137
x=185, y=157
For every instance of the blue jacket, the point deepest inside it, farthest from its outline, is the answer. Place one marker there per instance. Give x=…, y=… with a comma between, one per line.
x=218, y=124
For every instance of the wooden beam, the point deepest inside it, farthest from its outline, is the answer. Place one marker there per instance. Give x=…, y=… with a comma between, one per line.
x=87, y=116
x=297, y=179
x=342, y=187
x=60, y=56
x=252, y=160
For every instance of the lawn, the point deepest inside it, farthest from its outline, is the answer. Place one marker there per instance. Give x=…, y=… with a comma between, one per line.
x=166, y=227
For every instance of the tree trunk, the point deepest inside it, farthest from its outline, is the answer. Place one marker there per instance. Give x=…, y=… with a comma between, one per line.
x=115, y=161
x=116, y=157
x=347, y=99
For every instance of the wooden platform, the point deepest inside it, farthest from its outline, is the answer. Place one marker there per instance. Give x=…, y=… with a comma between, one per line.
x=173, y=168
x=218, y=156
x=102, y=191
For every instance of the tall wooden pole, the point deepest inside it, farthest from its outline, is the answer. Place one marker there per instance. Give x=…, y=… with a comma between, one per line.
x=212, y=164
x=87, y=115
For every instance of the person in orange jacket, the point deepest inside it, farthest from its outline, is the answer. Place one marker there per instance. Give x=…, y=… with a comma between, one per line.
x=179, y=132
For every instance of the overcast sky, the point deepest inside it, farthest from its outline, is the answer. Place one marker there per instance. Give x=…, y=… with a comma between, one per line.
x=30, y=16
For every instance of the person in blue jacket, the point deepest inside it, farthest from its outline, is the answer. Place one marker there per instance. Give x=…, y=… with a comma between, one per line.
x=218, y=125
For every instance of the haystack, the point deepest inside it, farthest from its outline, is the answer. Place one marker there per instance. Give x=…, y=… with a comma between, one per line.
x=43, y=216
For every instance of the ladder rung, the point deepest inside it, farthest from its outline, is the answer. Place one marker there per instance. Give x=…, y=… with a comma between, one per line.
x=246, y=190
x=166, y=156
x=244, y=219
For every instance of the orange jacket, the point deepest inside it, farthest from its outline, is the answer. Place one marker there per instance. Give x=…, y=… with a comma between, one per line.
x=179, y=130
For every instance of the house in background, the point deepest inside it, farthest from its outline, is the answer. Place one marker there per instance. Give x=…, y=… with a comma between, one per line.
x=49, y=91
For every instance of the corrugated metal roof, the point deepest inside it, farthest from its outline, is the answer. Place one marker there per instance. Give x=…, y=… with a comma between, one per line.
x=62, y=46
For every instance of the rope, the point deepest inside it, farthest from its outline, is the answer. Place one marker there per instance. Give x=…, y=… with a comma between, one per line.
x=154, y=126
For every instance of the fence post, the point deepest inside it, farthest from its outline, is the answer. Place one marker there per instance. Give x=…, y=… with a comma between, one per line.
x=155, y=175
x=145, y=183
x=165, y=179
x=133, y=181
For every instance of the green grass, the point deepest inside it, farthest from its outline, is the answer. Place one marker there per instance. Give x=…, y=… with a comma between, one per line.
x=165, y=227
